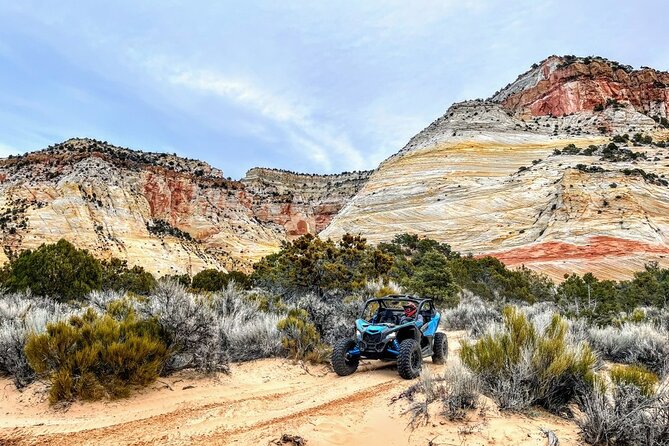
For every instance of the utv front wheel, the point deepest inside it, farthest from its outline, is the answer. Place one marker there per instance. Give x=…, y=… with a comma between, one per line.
x=343, y=362
x=439, y=348
x=410, y=359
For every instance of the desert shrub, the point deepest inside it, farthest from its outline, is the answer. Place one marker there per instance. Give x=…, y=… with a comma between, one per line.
x=21, y=315
x=652, y=315
x=643, y=344
x=214, y=280
x=249, y=332
x=189, y=328
x=458, y=390
x=333, y=318
x=380, y=288
x=311, y=265
x=490, y=279
x=117, y=276
x=624, y=415
x=588, y=297
x=210, y=280
x=634, y=375
x=472, y=314
x=100, y=300
x=300, y=338
x=58, y=270
x=461, y=392
x=520, y=366
x=602, y=301
x=94, y=356
x=182, y=279
x=240, y=279
x=432, y=278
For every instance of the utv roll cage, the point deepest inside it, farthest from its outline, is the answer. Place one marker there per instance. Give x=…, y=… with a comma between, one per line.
x=392, y=312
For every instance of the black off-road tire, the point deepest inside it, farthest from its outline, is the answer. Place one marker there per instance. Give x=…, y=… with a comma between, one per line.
x=342, y=364
x=439, y=348
x=410, y=359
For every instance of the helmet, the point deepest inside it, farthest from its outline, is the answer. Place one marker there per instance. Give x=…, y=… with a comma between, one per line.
x=409, y=309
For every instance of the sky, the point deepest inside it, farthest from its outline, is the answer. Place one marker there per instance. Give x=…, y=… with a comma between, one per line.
x=311, y=86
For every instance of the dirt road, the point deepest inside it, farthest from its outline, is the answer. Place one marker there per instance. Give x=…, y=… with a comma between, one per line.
x=258, y=402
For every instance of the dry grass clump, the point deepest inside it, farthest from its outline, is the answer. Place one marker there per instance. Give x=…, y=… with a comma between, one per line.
x=521, y=366
x=20, y=315
x=472, y=314
x=625, y=414
x=643, y=344
x=458, y=390
x=634, y=375
x=94, y=356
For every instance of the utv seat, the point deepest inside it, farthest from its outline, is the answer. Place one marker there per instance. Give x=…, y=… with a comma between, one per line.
x=387, y=316
x=427, y=316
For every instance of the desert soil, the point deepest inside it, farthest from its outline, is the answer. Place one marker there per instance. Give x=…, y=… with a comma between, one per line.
x=257, y=403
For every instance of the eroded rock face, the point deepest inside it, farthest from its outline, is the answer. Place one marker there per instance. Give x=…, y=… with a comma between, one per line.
x=486, y=177
x=563, y=85
x=301, y=203
x=517, y=200
x=168, y=214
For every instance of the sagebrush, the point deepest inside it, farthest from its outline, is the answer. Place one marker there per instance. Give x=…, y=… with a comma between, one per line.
x=94, y=356
x=520, y=366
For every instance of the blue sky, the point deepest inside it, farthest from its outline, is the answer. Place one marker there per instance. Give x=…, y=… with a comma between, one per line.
x=308, y=86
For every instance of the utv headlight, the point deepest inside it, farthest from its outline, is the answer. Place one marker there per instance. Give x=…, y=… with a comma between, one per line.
x=392, y=336
x=358, y=334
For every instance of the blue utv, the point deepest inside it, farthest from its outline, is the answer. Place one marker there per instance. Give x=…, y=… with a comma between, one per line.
x=383, y=332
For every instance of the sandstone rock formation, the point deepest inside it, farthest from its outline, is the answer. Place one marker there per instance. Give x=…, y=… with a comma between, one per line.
x=301, y=203
x=489, y=177
x=563, y=85
x=168, y=214
x=486, y=176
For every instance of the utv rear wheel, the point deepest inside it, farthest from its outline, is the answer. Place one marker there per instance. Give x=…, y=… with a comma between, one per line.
x=439, y=348
x=410, y=359
x=343, y=362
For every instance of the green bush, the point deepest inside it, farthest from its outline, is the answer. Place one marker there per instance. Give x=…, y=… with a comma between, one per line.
x=59, y=270
x=182, y=279
x=311, y=265
x=117, y=276
x=214, y=280
x=300, y=338
x=210, y=280
x=432, y=278
x=95, y=356
x=520, y=366
x=634, y=375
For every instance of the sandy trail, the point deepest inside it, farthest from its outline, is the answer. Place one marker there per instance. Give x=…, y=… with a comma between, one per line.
x=259, y=401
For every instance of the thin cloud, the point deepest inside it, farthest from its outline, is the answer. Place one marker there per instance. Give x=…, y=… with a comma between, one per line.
x=318, y=141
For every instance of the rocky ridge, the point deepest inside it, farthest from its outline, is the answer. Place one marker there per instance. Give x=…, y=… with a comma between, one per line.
x=166, y=213
x=493, y=176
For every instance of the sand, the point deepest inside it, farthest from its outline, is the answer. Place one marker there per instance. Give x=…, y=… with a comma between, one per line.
x=257, y=403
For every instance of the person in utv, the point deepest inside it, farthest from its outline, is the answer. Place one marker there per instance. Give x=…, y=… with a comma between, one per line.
x=411, y=314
